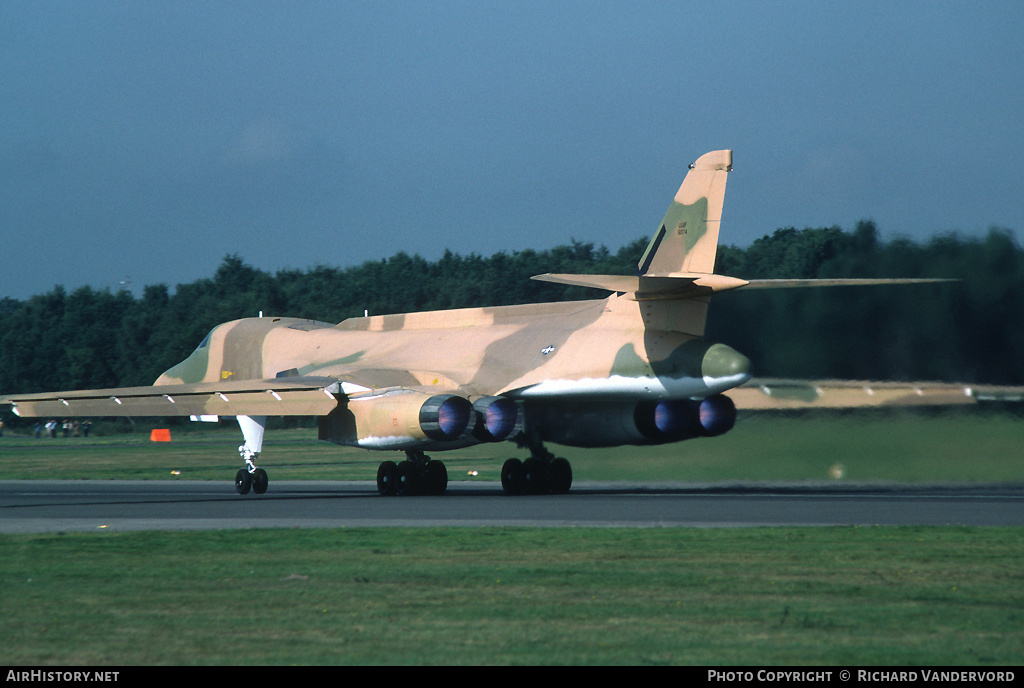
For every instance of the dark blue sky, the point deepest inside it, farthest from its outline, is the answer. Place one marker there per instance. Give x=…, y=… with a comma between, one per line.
x=146, y=141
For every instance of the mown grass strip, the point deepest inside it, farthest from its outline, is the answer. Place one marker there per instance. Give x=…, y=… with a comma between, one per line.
x=831, y=596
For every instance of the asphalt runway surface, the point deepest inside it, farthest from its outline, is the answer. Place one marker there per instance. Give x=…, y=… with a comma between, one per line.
x=64, y=506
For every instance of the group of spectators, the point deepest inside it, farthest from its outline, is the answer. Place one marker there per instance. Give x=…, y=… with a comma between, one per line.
x=67, y=428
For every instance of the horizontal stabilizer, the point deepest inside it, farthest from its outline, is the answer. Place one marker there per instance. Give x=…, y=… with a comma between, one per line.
x=309, y=396
x=686, y=286
x=839, y=282
x=647, y=287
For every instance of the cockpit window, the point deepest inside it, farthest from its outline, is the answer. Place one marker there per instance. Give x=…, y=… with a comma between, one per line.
x=310, y=325
x=206, y=341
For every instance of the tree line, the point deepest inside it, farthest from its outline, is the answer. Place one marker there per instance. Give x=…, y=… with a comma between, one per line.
x=970, y=330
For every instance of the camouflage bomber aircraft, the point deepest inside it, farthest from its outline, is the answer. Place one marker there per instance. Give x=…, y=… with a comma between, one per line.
x=629, y=369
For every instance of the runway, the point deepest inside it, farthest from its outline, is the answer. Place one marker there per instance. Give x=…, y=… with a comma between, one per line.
x=63, y=506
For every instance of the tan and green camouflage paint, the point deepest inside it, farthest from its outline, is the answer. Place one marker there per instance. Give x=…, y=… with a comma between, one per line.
x=643, y=342
x=486, y=351
x=687, y=239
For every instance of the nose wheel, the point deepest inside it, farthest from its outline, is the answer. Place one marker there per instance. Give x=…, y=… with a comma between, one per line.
x=251, y=478
x=256, y=481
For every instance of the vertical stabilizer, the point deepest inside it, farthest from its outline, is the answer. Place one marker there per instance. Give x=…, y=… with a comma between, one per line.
x=687, y=239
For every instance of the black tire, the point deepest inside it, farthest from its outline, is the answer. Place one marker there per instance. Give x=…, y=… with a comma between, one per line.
x=387, y=479
x=243, y=481
x=535, y=476
x=436, y=478
x=560, y=476
x=260, y=481
x=408, y=482
x=512, y=477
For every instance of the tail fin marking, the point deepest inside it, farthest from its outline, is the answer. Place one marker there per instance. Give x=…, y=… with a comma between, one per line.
x=687, y=239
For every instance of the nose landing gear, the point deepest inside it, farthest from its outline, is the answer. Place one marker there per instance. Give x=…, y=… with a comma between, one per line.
x=251, y=477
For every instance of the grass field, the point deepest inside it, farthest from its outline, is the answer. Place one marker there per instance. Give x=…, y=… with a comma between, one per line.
x=951, y=446
x=791, y=596
x=833, y=596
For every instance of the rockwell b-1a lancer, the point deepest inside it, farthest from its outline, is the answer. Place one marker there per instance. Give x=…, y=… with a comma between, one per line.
x=632, y=368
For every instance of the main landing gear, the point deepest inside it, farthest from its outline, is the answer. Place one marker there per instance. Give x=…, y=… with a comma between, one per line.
x=417, y=475
x=542, y=473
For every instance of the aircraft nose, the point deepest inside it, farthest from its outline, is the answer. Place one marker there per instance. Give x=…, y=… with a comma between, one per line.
x=721, y=361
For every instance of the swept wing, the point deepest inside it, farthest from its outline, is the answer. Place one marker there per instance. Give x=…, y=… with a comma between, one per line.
x=764, y=394
x=274, y=397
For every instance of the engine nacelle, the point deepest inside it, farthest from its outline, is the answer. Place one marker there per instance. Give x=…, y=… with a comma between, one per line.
x=401, y=419
x=612, y=424
x=497, y=419
x=445, y=417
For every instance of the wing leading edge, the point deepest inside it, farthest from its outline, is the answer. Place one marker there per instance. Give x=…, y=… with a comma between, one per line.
x=308, y=396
